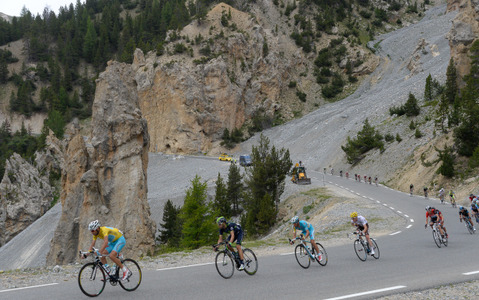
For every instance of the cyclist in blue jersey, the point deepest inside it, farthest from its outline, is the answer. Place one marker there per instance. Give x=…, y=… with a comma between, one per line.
x=236, y=234
x=307, y=230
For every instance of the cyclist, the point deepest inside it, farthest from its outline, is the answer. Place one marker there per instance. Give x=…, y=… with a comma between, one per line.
x=307, y=230
x=436, y=217
x=472, y=197
x=236, y=234
x=425, y=191
x=113, y=242
x=365, y=179
x=362, y=225
x=411, y=189
x=442, y=193
x=376, y=180
x=340, y=173
x=347, y=175
x=452, y=197
x=464, y=214
x=369, y=178
x=475, y=209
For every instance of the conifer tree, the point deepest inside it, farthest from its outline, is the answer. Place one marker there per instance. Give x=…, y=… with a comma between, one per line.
x=411, y=107
x=221, y=205
x=3, y=71
x=171, y=232
x=451, y=82
x=235, y=186
x=198, y=223
x=428, y=89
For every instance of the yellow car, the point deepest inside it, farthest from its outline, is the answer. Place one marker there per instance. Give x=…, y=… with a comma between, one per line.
x=225, y=157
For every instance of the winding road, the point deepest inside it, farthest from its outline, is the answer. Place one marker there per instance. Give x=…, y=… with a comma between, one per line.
x=409, y=260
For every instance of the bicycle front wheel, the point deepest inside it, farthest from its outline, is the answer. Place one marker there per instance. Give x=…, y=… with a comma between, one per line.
x=250, y=262
x=360, y=250
x=91, y=279
x=469, y=227
x=132, y=282
x=224, y=265
x=324, y=256
x=302, y=256
x=437, y=238
x=376, y=249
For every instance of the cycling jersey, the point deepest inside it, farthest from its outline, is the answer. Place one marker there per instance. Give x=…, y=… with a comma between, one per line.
x=464, y=212
x=474, y=208
x=112, y=233
x=303, y=226
x=237, y=230
x=360, y=221
x=433, y=213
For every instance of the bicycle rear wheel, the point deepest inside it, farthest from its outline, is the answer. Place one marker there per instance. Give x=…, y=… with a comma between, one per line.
x=376, y=249
x=250, y=262
x=224, y=265
x=133, y=282
x=302, y=256
x=437, y=238
x=324, y=256
x=91, y=279
x=360, y=250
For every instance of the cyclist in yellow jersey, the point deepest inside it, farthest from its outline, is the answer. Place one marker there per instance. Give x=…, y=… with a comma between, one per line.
x=113, y=242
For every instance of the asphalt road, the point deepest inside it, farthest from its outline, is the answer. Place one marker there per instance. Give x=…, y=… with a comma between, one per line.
x=409, y=260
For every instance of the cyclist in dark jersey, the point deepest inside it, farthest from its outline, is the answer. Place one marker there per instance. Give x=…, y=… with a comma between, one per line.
x=464, y=214
x=236, y=234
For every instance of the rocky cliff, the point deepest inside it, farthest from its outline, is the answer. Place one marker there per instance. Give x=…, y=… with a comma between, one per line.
x=231, y=73
x=104, y=178
x=25, y=195
x=465, y=29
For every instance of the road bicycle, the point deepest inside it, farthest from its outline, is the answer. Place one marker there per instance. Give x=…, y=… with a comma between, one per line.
x=436, y=235
x=453, y=201
x=305, y=254
x=94, y=275
x=226, y=260
x=361, y=246
x=469, y=226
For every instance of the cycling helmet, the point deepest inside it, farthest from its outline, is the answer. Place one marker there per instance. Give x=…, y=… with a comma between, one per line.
x=94, y=225
x=220, y=220
x=460, y=207
x=294, y=219
x=428, y=207
x=354, y=215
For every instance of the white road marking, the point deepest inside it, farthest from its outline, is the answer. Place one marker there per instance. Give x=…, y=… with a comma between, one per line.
x=371, y=198
x=287, y=253
x=28, y=287
x=470, y=273
x=385, y=204
x=406, y=216
x=173, y=268
x=368, y=293
x=412, y=221
x=409, y=226
x=365, y=197
x=399, y=212
x=341, y=186
x=358, y=194
x=378, y=201
x=394, y=233
x=391, y=207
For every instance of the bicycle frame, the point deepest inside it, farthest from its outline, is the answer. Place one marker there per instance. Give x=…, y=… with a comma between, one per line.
x=358, y=235
x=229, y=252
x=112, y=278
x=304, y=243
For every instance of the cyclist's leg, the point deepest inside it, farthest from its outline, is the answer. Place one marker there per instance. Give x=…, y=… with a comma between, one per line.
x=115, y=250
x=239, y=238
x=105, y=252
x=311, y=239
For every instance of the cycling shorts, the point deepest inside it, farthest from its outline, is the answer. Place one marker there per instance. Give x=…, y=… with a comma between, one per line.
x=361, y=228
x=238, y=237
x=116, y=245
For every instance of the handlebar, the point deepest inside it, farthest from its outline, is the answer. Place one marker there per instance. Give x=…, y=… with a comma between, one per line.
x=355, y=233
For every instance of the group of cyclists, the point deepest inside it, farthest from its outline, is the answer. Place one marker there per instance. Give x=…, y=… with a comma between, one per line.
x=441, y=194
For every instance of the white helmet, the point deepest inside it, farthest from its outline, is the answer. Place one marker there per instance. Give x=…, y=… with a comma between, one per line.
x=295, y=219
x=94, y=225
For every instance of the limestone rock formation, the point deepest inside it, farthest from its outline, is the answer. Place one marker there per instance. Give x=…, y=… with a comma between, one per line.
x=465, y=29
x=25, y=194
x=104, y=177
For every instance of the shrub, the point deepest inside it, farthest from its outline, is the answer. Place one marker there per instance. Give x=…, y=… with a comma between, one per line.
x=418, y=133
x=292, y=84
x=389, y=137
x=368, y=138
x=398, y=138
x=301, y=95
x=412, y=126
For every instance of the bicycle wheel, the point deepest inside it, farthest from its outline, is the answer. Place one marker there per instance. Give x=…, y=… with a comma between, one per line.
x=324, y=256
x=250, y=262
x=91, y=279
x=302, y=256
x=224, y=265
x=437, y=238
x=376, y=249
x=360, y=250
x=133, y=282
x=469, y=227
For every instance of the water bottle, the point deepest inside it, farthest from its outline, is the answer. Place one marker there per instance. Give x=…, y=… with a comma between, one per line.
x=113, y=269
x=107, y=268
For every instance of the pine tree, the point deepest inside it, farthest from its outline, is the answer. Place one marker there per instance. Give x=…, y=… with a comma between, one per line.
x=221, y=205
x=428, y=89
x=451, y=82
x=447, y=158
x=235, y=186
x=90, y=42
x=266, y=179
x=411, y=107
x=171, y=232
x=198, y=223
x=3, y=71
